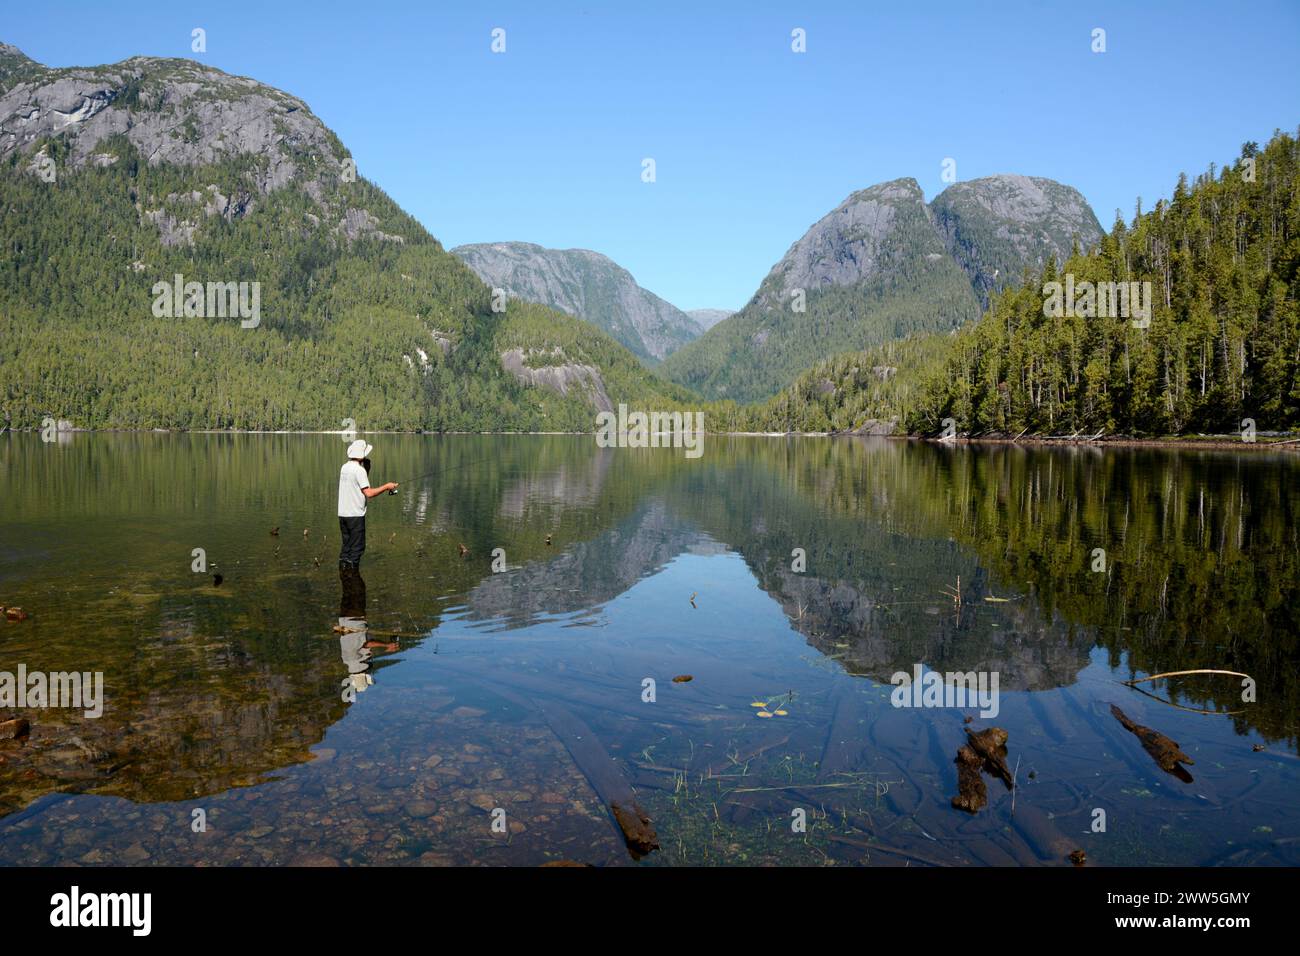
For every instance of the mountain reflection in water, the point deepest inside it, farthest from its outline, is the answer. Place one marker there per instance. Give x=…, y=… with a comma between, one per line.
x=389, y=731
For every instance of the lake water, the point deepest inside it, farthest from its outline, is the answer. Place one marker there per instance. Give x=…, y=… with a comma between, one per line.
x=471, y=701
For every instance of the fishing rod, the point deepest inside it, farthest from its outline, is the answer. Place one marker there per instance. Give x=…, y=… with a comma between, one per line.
x=441, y=471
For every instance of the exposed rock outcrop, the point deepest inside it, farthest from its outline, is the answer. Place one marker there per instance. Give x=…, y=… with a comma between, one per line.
x=557, y=376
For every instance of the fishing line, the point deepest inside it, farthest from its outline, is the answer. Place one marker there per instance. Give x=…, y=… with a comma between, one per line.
x=443, y=471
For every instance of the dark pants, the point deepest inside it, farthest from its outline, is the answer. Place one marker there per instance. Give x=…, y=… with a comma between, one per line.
x=354, y=541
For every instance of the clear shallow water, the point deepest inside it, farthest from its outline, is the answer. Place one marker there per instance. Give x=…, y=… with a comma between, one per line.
x=302, y=745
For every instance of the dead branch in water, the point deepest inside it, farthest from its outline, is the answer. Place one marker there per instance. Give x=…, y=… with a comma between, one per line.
x=1139, y=680
x=1190, y=710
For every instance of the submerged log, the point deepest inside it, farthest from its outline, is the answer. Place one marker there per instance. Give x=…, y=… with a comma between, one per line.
x=637, y=829
x=605, y=777
x=600, y=769
x=1163, y=751
x=1041, y=833
x=844, y=741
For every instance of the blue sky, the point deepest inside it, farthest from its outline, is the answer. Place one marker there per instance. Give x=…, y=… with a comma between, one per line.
x=752, y=142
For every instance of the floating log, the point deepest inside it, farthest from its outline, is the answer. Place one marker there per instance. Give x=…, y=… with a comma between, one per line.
x=991, y=746
x=1163, y=751
x=972, y=795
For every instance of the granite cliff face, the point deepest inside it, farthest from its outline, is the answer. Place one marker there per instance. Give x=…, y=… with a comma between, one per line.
x=856, y=241
x=587, y=285
x=996, y=226
x=880, y=266
x=171, y=111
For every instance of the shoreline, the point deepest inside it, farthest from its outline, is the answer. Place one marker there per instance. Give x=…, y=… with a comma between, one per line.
x=1288, y=441
x=1185, y=442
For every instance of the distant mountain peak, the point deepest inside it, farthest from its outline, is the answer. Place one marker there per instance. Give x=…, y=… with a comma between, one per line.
x=708, y=318
x=995, y=226
x=881, y=265
x=171, y=110
x=167, y=166
x=585, y=284
x=849, y=244
x=903, y=188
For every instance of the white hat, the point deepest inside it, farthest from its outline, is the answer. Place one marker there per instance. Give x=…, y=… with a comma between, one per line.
x=359, y=449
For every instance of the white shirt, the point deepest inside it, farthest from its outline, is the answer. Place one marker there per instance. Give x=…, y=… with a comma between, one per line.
x=352, y=478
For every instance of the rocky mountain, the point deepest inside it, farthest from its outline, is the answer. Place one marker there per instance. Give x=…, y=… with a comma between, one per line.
x=708, y=318
x=880, y=266
x=144, y=203
x=997, y=226
x=585, y=284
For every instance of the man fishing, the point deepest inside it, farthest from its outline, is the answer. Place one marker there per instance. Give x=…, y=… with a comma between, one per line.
x=354, y=492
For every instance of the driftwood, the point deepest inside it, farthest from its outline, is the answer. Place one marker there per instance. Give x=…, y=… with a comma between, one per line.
x=984, y=751
x=1163, y=751
x=1139, y=680
x=972, y=795
x=991, y=746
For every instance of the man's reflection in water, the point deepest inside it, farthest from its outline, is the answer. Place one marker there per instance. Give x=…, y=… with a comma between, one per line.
x=354, y=643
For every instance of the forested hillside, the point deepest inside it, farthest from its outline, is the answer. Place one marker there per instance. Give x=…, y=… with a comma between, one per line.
x=1222, y=345
x=363, y=315
x=873, y=391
